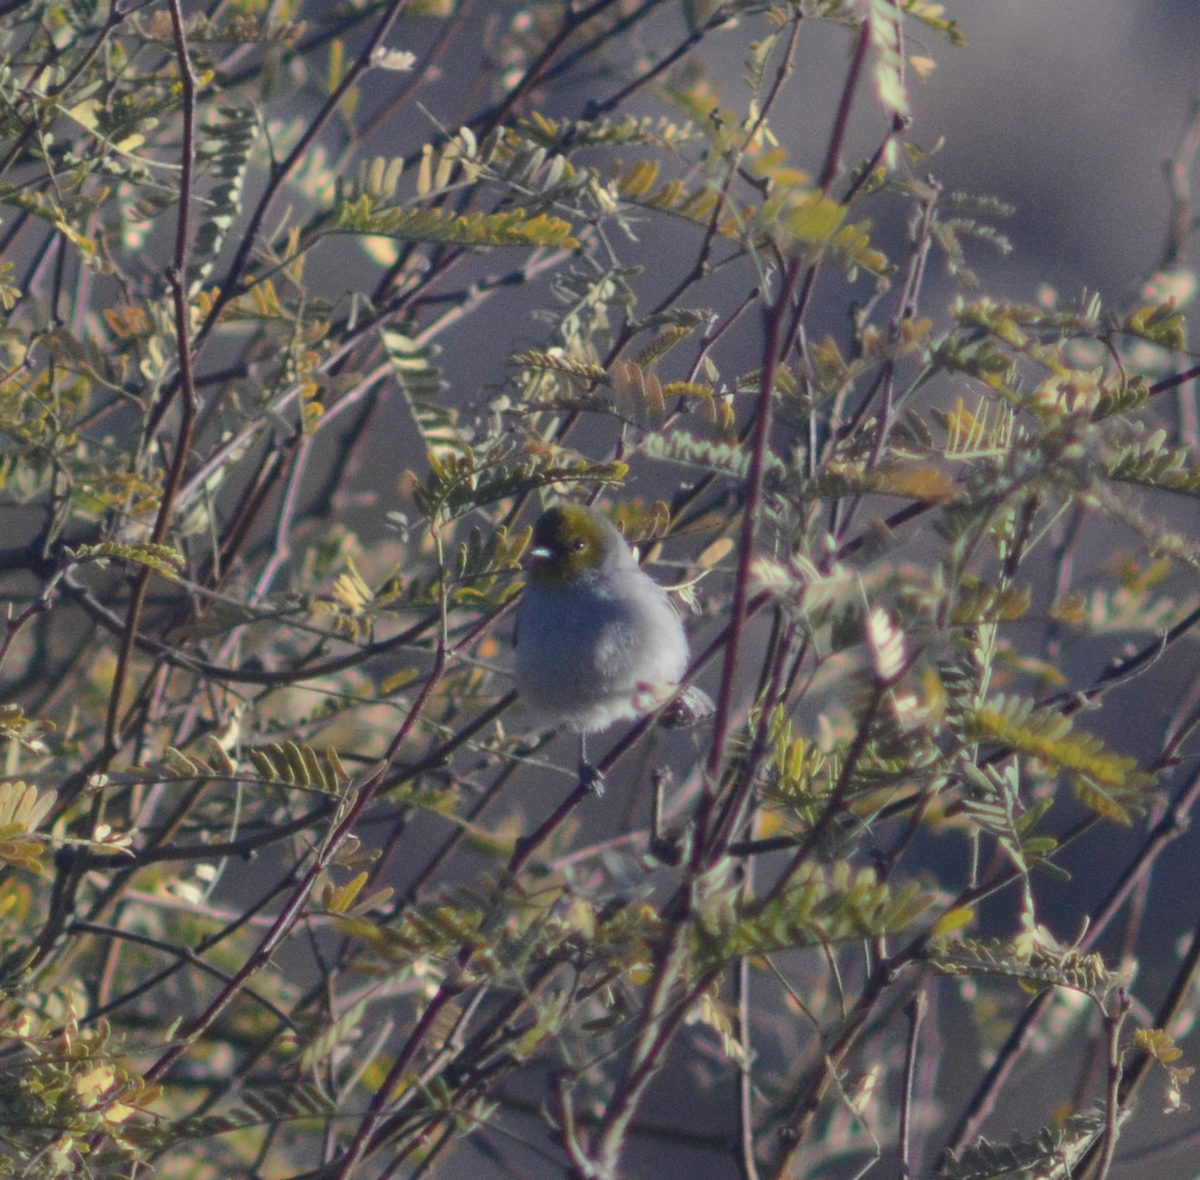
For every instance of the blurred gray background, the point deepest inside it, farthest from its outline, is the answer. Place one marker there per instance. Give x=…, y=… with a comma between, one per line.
x=1068, y=109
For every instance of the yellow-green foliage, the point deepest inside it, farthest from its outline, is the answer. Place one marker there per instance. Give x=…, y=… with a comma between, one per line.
x=296, y=343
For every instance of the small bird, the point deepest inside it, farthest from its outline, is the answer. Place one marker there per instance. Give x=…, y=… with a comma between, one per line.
x=597, y=639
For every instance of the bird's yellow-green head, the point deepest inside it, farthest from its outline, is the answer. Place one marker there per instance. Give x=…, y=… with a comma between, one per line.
x=570, y=541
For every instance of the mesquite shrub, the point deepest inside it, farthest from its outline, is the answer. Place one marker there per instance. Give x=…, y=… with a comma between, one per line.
x=295, y=347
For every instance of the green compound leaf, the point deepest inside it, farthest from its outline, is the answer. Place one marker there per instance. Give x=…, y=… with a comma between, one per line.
x=436, y=225
x=1053, y=1153
x=458, y=483
x=162, y=558
x=1108, y=783
x=827, y=904
x=1036, y=965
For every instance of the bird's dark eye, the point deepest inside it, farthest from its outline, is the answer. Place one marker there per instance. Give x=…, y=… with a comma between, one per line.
x=579, y=544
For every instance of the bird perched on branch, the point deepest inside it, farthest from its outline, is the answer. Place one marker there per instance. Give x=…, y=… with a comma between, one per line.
x=598, y=640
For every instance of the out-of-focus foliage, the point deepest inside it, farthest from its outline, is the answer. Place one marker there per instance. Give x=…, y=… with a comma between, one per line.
x=289, y=886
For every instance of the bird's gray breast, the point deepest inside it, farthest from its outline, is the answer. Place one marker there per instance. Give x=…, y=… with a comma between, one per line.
x=588, y=643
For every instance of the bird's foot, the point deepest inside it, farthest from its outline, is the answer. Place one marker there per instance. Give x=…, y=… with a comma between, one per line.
x=689, y=707
x=590, y=778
